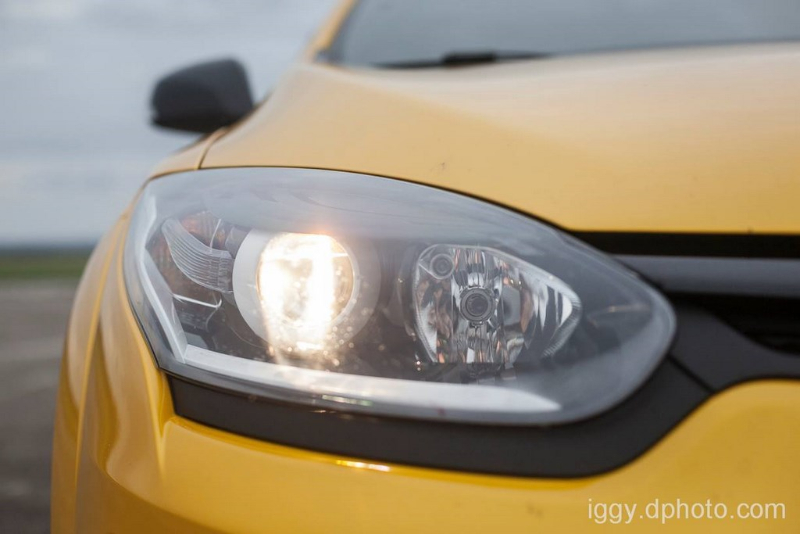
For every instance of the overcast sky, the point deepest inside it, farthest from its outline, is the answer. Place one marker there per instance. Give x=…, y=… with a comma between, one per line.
x=75, y=78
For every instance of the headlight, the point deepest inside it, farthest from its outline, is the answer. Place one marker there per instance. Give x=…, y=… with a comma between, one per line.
x=355, y=292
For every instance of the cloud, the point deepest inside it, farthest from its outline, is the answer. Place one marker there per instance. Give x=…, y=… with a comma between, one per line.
x=26, y=10
x=29, y=57
x=76, y=77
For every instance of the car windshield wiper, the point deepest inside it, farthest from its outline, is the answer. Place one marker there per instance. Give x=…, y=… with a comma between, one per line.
x=464, y=58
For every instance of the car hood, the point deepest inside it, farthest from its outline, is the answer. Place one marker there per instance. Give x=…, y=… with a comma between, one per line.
x=692, y=140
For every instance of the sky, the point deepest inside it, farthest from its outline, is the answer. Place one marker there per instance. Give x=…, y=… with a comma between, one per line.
x=75, y=82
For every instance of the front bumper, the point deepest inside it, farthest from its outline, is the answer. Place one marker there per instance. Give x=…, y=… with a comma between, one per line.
x=124, y=462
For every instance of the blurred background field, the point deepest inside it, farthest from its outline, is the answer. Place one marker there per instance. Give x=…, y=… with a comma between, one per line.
x=44, y=263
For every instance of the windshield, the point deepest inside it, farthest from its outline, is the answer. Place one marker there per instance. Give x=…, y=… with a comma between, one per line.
x=395, y=32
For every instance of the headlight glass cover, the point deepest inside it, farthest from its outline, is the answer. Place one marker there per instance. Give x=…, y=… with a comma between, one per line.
x=359, y=293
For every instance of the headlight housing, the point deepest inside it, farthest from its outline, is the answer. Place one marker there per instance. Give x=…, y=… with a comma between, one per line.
x=361, y=293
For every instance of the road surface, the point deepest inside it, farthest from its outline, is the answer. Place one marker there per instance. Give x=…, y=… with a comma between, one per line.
x=33, y=317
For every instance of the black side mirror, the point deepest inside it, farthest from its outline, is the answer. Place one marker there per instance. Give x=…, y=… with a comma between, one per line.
x=202, y=98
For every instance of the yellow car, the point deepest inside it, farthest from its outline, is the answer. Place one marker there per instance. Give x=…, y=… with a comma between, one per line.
x=513, y=266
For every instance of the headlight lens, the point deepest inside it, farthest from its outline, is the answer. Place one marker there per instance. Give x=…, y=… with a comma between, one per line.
x=361, y=293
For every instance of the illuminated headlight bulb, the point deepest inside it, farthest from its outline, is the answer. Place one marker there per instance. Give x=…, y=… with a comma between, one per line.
x=300, y=292
x=305, y=282
x=482, y=306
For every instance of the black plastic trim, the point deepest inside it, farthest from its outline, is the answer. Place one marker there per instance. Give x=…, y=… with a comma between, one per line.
x=698, y=245
x=751, y=277
x=722, y=357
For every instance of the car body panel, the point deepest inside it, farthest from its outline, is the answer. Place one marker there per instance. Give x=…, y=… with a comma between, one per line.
x=142, y=468
x=594, y=143
x=590, y=143
x=78, y=346
x=189, y=158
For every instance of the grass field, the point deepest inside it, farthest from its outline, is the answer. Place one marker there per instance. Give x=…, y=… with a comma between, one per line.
x=32, y=265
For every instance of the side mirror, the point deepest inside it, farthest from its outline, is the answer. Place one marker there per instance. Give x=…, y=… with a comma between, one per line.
x=202, y=98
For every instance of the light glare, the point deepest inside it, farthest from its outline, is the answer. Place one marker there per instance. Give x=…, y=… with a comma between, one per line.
x=305, y=282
